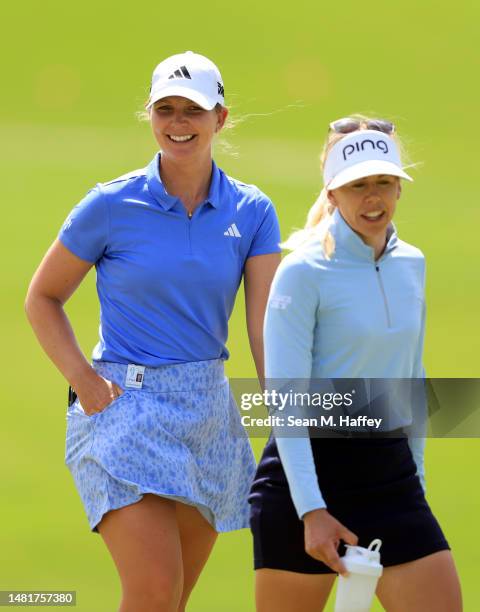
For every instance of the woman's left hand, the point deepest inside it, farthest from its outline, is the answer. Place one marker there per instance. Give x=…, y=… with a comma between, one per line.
x=322, y=536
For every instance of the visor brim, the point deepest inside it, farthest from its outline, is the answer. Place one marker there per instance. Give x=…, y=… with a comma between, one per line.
x=366, y=168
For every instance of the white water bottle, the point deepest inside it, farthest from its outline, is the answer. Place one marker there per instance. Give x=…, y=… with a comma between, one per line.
x=355, y=593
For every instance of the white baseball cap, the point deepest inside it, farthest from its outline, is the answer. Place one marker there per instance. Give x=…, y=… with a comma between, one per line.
x=189, y=75
x=362, y=153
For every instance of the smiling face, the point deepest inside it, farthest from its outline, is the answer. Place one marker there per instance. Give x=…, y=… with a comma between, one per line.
x=183, y=129
x=368, y=205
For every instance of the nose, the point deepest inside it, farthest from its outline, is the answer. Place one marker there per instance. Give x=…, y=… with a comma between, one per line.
x=179, y=116
x=372, y=192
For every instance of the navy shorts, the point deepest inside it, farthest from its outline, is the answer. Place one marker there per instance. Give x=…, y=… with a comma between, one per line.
x=369, y=485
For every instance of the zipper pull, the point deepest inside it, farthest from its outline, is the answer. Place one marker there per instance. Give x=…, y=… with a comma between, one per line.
x=190, y=215
x=377, y=268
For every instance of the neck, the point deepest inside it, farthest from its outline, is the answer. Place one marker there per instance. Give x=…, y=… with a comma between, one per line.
x=378, y=243
x=188, y=181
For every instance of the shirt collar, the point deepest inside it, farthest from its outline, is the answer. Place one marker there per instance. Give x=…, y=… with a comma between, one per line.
x=167, y=201
x=349, y=241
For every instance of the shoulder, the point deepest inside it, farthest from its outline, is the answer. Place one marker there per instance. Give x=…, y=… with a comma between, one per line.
x=246, y=194
x=411, y=260
x=130, y=181
x=295, y=282
x=309, y=255
x=298, y=266
x=404, y=249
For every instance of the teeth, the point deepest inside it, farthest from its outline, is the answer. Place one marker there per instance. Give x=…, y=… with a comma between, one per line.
x=181, y=138
x=374, y=215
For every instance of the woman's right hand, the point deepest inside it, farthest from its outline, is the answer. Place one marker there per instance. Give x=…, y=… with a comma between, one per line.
x=322, y=536
x=96, y=393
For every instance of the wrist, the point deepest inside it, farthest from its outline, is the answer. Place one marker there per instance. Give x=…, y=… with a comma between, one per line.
x=81, y=377
x=312, y=515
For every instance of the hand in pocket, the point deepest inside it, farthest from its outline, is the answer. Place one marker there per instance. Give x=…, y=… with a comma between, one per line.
x=97, y=394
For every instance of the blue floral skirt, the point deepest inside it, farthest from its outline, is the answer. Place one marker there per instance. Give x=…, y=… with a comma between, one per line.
x=179, y=437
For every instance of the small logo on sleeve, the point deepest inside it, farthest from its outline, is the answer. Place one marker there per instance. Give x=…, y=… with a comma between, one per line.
x=280, y=302
x=68, y=224
x=232, y=231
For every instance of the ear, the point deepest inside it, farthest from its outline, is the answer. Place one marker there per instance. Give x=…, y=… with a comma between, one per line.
x=331, y=197
x=399, y=189
x=222, y=114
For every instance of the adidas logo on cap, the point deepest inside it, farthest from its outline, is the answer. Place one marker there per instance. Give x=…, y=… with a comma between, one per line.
x=181, y=73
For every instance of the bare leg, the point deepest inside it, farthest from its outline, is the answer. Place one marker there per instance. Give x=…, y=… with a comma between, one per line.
x=197, y=538
x=429, y=584
x=144, y=541
x=281, y=591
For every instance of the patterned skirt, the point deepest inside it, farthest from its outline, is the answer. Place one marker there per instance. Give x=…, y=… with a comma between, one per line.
x=178, y=436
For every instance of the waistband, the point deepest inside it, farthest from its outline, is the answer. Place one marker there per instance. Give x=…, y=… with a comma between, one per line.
x=190, y=376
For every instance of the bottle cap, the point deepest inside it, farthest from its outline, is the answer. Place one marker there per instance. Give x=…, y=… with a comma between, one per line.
x=364, y=560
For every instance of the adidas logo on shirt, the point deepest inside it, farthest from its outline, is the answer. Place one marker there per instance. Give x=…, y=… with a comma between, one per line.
x=233, y=231
x=181, y=73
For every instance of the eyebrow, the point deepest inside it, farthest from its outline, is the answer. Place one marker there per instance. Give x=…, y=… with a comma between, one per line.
x=169, y=102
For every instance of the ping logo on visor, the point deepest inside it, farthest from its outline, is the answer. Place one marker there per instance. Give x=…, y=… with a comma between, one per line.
x=350, y=149
x=359, y=154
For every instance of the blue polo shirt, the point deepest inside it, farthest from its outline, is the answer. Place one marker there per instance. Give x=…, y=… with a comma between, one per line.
x=167, y=283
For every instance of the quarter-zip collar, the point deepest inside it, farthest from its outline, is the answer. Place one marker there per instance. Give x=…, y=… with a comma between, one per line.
x=350, y=243
x=167, y=201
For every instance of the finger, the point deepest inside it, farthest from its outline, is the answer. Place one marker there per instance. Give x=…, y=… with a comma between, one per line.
x=334, y=561
x=113, y=389
x=348, y=536
x=342, y=570
x=118, y=390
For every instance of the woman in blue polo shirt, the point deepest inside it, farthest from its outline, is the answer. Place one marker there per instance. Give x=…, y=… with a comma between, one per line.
x=346, y=315
x=154, y=440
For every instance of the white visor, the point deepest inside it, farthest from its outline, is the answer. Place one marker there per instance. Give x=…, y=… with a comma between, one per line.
x=362, y=153
x=188, y=75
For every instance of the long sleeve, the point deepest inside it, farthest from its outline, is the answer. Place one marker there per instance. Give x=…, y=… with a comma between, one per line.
x=417, y=432
x=417, y=446
x=288, y=335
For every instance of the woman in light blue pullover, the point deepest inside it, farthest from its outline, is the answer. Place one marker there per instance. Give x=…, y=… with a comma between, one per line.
x=348, y=303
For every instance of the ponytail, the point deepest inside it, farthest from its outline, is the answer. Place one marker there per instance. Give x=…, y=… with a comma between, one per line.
x=317, y=226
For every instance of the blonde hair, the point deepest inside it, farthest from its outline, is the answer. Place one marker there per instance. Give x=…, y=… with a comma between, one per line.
x=319, y=216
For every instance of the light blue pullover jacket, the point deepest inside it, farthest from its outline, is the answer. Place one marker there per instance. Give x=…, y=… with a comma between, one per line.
x=347, y=317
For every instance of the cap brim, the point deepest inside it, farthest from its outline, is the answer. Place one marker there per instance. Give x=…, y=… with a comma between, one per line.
x=184, y=92
x=366, y=168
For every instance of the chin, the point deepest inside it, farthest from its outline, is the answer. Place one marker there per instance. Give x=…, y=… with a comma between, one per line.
x=179, y=153
x=372, y=232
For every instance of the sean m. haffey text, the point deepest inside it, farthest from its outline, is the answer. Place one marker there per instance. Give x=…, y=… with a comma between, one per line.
x=289, y=403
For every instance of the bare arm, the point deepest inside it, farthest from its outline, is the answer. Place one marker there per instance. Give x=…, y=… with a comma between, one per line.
x=56, y=279
x=259, y=273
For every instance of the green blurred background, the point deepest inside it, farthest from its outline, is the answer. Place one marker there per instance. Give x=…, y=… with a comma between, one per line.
x=73, y=77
